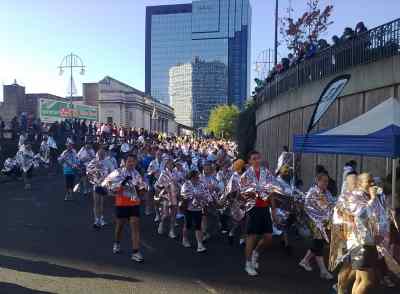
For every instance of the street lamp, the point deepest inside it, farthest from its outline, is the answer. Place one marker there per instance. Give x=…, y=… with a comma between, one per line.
x=71, y=62
x=154, y=116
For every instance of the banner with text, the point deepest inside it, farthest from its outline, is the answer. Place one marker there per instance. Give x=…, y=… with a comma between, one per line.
x=53, y=110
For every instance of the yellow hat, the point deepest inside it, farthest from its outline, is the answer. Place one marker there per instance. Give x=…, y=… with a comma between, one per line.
x=238, y=165
x=284, y=169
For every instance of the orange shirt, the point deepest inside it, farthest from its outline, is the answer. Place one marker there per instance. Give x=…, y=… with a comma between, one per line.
x=121, y=200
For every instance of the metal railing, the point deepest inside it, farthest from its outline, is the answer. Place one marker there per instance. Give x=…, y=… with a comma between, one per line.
x=375, y=44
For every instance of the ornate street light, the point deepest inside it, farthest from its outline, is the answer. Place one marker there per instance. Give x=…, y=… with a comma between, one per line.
x=154, y=117
x=71, y=62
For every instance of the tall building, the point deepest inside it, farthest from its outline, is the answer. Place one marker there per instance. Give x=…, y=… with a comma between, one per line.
x=209, y=30
x=180, y=91
x=195, y=88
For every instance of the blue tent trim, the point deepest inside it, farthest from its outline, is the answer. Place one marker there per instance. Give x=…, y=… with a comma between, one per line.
x=383, y=143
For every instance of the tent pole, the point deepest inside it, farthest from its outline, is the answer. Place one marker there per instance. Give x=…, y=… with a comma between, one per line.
x=394, y=192
x=294, y=170
x=387, y=166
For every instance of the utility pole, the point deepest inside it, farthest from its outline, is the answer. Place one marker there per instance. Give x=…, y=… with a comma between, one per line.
x=276, y=34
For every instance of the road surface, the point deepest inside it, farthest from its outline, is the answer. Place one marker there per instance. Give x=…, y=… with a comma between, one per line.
x=49, y=246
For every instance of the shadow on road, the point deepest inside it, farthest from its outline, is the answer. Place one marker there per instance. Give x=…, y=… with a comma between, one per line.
x=16, y=289
x=45, y=268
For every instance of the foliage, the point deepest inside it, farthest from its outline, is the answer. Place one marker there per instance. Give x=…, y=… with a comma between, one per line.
x=246, y=131
x=307, y=28
x=222, y=121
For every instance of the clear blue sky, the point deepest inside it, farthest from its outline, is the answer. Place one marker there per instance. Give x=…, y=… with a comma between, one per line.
x=109, y=36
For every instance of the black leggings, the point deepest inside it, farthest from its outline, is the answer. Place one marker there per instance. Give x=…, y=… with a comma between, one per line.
x=317, y=247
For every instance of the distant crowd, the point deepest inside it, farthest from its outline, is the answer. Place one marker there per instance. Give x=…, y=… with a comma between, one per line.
x=78, y=130
x=311, y=48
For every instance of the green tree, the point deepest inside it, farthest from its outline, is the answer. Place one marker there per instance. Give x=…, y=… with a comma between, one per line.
x=246, y=131
x=222, y=121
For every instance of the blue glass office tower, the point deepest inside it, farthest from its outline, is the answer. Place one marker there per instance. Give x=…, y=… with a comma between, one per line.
x=207, y=30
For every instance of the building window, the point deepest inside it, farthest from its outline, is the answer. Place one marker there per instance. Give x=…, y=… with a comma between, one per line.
x=109, y=119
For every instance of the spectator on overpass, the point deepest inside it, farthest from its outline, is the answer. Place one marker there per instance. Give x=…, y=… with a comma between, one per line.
x=360, y=28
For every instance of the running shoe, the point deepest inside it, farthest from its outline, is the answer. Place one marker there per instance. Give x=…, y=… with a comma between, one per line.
x=250, y=270
x=305, y=266
x=326, y=276
x=172, y=234
x=96, y=225
x=68, y=197
x=116, y=248
x=186, y=243
x=201, y=248
x=138, y=257
x=102, y=223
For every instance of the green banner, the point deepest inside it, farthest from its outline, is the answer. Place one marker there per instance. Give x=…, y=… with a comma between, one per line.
x=53, y=110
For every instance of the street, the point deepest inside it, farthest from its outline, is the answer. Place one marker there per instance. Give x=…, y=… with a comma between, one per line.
x=49, y=246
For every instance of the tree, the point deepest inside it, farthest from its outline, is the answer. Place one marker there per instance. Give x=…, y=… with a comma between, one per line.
x=246, y=131
x=222, y=121
x=307, y=28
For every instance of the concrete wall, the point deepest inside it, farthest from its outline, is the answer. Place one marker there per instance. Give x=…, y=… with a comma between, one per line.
x=282, y=117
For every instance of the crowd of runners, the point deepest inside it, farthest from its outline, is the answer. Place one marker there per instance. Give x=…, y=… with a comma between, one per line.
x=203, y=181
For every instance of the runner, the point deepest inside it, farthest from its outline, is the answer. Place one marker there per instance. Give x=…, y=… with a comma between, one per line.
x=254, y=183
x=127, y=185
x=223, y=177
x=25, y=158
x=154, y=171
x=97, y=170
x=85, y=155
x=195, y=200
x=70, y=163
x=371, y=229
x=343, y=237
x=214, y=190
x=167, y=191
x=234, y=201
x=319, y=208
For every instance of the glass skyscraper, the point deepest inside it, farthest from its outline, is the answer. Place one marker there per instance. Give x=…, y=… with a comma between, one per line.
x=210, y=31
x=196, y=88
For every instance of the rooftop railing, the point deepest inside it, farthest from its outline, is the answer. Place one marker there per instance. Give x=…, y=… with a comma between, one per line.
x=373, y=45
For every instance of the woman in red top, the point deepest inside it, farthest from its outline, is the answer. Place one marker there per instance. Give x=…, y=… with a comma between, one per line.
x=253, y=186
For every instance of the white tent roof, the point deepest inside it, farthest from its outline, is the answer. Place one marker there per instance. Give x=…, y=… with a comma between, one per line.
x=381, y=116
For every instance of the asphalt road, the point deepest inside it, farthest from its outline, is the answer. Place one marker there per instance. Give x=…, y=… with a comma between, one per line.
x=49, y=246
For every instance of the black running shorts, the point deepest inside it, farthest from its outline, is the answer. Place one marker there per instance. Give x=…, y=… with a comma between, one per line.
x=259, y=221
x=127, y=211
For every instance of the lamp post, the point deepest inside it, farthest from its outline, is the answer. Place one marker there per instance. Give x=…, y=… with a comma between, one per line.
x=71, y=62
x=276, y=33
x=154, y=116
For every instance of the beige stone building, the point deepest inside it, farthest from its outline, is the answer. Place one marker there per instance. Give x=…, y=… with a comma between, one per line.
x=124, y=105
